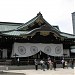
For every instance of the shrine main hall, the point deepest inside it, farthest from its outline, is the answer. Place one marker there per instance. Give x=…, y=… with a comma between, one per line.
x=35, y=39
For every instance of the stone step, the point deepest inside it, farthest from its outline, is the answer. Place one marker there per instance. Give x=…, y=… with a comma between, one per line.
x=25, y=67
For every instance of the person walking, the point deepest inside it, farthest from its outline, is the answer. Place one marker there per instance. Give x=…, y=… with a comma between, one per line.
x=36, y=64
x=42, y=62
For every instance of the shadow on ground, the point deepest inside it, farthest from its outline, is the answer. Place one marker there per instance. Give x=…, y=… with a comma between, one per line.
x=8, y=73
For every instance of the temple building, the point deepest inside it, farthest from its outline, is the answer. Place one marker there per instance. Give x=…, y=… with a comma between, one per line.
x=35, y=39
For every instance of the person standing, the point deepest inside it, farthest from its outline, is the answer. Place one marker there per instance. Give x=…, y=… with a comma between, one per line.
x=47, y=64
x=54, y=64
x=72, y=63
x=36, y=64
x=63, y=63
x=18, y=61
x=50, y=64
x=43, y=65
x=66, y=64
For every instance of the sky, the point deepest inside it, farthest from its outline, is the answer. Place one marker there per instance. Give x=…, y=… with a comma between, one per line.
x=55, y=12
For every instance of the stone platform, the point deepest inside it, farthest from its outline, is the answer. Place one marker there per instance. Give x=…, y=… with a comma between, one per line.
x=30, y=70
x=59, y=71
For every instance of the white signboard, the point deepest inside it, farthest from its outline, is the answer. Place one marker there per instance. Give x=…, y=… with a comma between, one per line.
x=29, y=49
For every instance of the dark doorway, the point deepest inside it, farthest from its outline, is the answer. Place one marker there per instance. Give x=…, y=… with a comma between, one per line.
x=0, y=54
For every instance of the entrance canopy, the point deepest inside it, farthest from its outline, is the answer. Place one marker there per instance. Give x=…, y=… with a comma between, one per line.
x=29, y=49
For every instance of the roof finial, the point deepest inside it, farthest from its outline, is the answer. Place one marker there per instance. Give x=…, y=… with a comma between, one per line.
x=39, y=13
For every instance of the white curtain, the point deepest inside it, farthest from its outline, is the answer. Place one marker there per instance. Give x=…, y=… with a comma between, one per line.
x=29, y=49
x=52, y=49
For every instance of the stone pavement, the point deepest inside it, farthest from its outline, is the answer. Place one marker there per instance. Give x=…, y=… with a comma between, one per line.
x=10, y=73
x=59, y=71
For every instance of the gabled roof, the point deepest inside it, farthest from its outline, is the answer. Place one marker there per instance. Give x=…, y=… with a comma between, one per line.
x=29, y=22
x=36, y=24
x=37, y=19
x=44, y=25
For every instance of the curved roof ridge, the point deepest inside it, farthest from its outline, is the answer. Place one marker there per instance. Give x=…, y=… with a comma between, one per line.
x=30, y=21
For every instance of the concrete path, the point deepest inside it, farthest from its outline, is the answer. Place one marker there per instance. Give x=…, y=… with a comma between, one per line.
x=59, y=71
